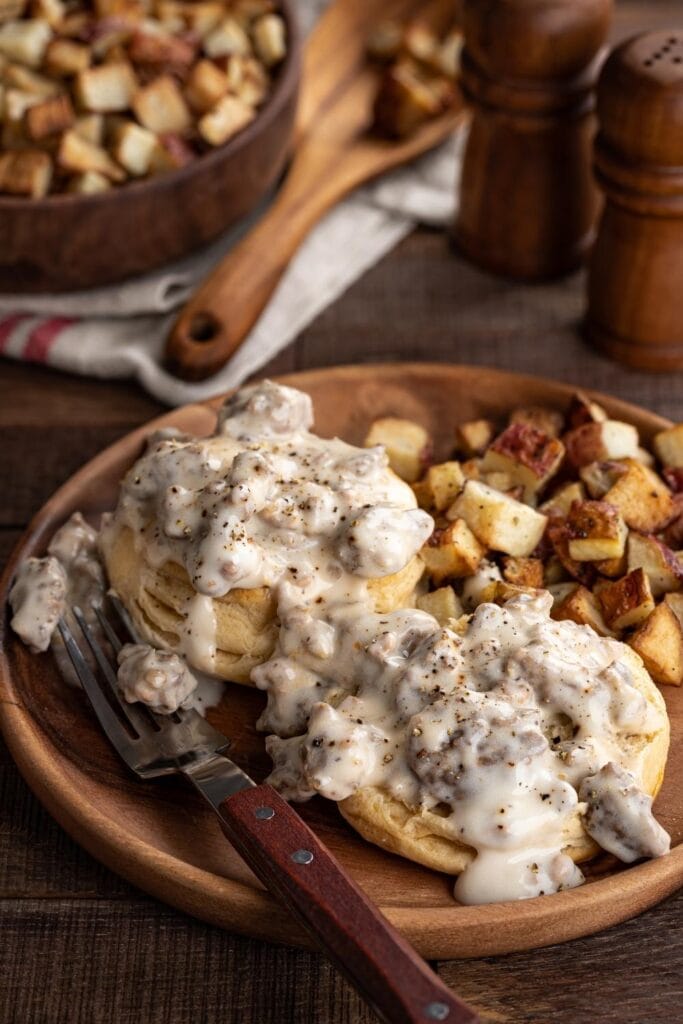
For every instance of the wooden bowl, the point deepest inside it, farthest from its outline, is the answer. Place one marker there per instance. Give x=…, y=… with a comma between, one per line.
x=161, y=836
x=67, y=242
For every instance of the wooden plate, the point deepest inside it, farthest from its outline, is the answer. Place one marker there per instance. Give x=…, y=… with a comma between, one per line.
x=163, y=840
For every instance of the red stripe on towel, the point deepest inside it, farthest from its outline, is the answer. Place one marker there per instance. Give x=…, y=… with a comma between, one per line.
x=7, y=326
x=42, y=338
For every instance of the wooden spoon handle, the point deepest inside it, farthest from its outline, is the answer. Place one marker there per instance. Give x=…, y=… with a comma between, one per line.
x=294, y=865
x=224, y=309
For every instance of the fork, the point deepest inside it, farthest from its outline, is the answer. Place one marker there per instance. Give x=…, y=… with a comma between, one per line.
x=269, y=835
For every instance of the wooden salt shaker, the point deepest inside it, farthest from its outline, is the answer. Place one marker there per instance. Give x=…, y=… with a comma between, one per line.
x=635, y=282
x=528, y=202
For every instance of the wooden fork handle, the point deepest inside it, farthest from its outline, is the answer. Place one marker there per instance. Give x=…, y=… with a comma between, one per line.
x=291, y=862
x=217, y=319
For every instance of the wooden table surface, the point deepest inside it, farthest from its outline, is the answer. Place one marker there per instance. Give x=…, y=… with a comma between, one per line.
x=78, y=944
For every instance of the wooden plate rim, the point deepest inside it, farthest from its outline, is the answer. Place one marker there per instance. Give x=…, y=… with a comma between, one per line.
x=437, y=932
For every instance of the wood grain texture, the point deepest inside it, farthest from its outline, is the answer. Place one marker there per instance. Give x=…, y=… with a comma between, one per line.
x=335, y=153
x=67, y=242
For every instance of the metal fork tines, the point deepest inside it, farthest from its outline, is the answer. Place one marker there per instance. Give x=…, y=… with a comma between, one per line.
x=150, y=744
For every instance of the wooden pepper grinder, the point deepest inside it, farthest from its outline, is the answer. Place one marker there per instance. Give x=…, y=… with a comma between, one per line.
x=528, y=202
x=635, y=281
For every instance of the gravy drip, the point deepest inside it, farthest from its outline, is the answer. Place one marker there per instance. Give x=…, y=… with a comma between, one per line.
x=159, y=679
x=495, y=730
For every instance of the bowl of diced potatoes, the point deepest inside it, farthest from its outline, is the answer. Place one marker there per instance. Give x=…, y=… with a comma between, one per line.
x=135, y=131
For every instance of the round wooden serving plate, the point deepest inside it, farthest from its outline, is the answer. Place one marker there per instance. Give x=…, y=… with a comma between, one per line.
x=161, y=838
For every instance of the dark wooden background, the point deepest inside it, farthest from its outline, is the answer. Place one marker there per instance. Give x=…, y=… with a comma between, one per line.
x=80, y=946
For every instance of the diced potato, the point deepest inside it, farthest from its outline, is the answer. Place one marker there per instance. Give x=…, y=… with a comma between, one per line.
x=203, y=17
x=385, y=41
x=470, y=469
x=229, y=116
x=226, y=38
x=251, y=80
x=562, y=499
x=161, y=51
x=598, y=477
x=50, y=117
x=18, y=102
x=529, y=456
x=659, y=642
x=675, y=603
x=668, y=444
x=583, y=410
x=170, y=152
x=499, y=521
x=65, y=58
x=443, y=604
x=643, y=498
x=554, y=571
x=673, y=477
x=596, y=442
x=78, y=155
x=560, y=591
x=472, y=438
x=559, y=535
x=206, y=85
x=442, y=484
x=452, y=552
x=19, y=77
x=447, y=60
x=613, y=567
x=498, y=479
x=662, y=567
x=161, y=108
x=524, y=572
x=109, y=87
x=89, y=183
x=25, y=173
x=133, y=148
x=25, y=41
x=407, y=444
x=270, y=39
x=503, y=591
x=596, y=531
x=581, y=606
x=540, y=417
x=420, y=41
x=91, y=127
x=627, y=602
x=480, y=587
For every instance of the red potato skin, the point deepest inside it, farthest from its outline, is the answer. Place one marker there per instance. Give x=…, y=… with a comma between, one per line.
x=530, y=447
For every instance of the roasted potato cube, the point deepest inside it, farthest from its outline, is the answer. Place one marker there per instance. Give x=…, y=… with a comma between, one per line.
x=11, y=10
x=668, y=444
x=202, y=18
x=25, y=41
x=673, y=477
x=558, y=535
x=227, y=38
x=523, y=572
x=170, y=152
x=598, y=477
x=443, y=604
x=661, y=565
x=78, y=155
x=270, y=39
x=583, y=410
x=161, y=51
x=596, y=442
x=51, y=11
x=529, y=456
x=481, y=586
x=442, y=482
x=447, y=59
x=206, y=85
x=109, y=87
x=407, y=444
x=499, y=480
x=26, y=173
x=50, y=117
x=675, y=603
x=420, y=41
x=643, y=498
x=133, y=148
x=628, y=601
x=582, y=607
x=30, y=81
x=561, y=590
x=659, y=642
x=89, y=183
x=596, y=531
x=252, y=82
x=384, y=42
x=503, y=591
x=672, y=534
x=452, y=552
x=229, y=116
x=613, y=567
x=497, y=520
x=161, y=108
x=540, y=417
x=65, y=58
x=562, y=499
x=554, y=571
x=470, y=469
x=17, y=102
x=472, y=438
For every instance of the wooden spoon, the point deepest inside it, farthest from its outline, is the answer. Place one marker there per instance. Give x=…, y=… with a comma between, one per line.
x=334, y=154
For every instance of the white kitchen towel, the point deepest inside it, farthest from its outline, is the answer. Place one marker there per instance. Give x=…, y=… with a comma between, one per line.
x=119, y=331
